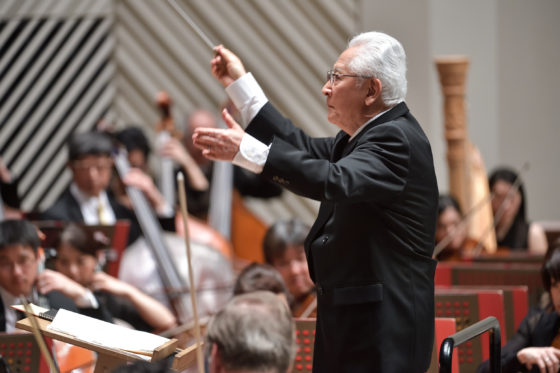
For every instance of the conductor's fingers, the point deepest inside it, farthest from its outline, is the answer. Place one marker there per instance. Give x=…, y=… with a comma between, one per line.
x=230, y=122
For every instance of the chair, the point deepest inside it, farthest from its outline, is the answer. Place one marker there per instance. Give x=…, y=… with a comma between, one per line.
x=516, y=303
x=305, y=338
x=495, y=274
x=465, y=336
x=444, y=326
x=468, y=306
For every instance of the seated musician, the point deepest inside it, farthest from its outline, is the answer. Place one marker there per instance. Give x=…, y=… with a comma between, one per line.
x=97, y=293
x=86, y=199
x=513, y=231
x=138, y=149
x=450, y=228
x=253, y=333
x=19, y=270
x=283, y=249
x=198, y=169
x=258, y=276
x=536, y=345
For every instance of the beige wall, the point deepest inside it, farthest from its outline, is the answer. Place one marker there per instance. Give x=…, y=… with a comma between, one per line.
x=513, y=46
x=512, y=100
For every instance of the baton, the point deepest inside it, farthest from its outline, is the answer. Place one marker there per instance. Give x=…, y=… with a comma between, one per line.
x=193, y=25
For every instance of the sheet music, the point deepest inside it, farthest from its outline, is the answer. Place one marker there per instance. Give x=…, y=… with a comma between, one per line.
x=105, y=334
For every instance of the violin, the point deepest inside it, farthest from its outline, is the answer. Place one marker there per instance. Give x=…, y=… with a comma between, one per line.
x=307, y=307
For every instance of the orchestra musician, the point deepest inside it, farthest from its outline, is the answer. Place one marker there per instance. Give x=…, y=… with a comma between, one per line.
x=536, y=345
x=199, y=170
x=259, y=276
x=139, y=266
x=19, y=273
x=283, y=250
x=369, y=251
x=450, y=226
x=79, y=277
x=513, y=231
x=87, y=199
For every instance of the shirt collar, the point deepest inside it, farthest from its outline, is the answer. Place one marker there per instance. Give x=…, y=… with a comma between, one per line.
x=84, y=199
x=8, y=299
x=366, y=123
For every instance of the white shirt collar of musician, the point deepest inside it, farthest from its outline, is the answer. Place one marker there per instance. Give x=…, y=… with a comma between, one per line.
x=89, y=206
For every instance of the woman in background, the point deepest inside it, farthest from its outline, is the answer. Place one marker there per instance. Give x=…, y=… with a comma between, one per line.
x=513, y=231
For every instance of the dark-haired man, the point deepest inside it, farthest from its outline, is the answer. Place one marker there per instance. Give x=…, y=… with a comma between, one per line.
x=19, y=267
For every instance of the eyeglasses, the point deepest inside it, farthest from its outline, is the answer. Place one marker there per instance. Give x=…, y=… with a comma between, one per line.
x=103, y=165
x=24, y=262
x=333, y=76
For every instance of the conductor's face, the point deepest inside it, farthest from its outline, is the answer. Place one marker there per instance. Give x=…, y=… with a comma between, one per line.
x=346, y=95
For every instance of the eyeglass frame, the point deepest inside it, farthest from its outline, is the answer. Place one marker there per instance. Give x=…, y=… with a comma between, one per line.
x=331, y=74
x=102, y=165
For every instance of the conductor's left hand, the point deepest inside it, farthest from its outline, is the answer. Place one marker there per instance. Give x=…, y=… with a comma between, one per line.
x=220, y=144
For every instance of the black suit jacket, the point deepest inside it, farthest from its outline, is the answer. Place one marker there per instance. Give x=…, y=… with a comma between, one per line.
x=67, y=208
x=55, y=299
x=369, y=251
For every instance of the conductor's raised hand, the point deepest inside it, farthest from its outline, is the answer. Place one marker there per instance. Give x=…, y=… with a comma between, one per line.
x=220, y=144
x=226, y=66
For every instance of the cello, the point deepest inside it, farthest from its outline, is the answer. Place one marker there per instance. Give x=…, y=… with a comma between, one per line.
x=173, y=283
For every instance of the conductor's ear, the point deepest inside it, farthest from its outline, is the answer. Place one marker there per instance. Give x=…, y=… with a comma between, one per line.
x=374, y=91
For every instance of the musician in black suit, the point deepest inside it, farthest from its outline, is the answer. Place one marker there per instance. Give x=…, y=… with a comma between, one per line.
x=19, y=267
x=87, y=199
x=102, y=296
x=369, y=251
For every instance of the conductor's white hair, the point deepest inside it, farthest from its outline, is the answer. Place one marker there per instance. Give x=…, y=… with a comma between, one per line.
x=381, y=56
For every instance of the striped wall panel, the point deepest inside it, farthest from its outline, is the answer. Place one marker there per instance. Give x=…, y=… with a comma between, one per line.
x=66, y=63
x=55, y=78
x=288, y=45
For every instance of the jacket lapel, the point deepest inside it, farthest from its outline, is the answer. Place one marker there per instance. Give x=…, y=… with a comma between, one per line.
x=395, y=112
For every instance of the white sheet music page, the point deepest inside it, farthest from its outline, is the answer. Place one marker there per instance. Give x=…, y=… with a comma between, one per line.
x=105, y=334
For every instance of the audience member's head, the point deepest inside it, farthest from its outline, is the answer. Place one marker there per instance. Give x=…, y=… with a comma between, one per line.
x=257, y=276
x=19, y=242
x=449, y=223
x=254, y=332
x=137, y=146
x=501, y=180
x=89, y=158
x=283, y=249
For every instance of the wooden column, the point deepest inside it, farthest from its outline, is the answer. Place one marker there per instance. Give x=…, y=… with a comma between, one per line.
x=452, y=74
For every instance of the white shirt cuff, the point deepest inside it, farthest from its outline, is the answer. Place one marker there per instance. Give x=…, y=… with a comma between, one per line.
x=165, y=211
x=247, y=96
x=252, y=154
x=88, y=300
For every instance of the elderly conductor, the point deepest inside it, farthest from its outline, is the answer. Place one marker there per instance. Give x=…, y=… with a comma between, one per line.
x=369, y=251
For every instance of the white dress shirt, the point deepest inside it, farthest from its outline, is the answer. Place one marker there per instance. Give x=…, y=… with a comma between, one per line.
x=89, y=206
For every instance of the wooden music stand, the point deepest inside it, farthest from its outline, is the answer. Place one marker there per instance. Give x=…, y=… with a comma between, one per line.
x=109, y=358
